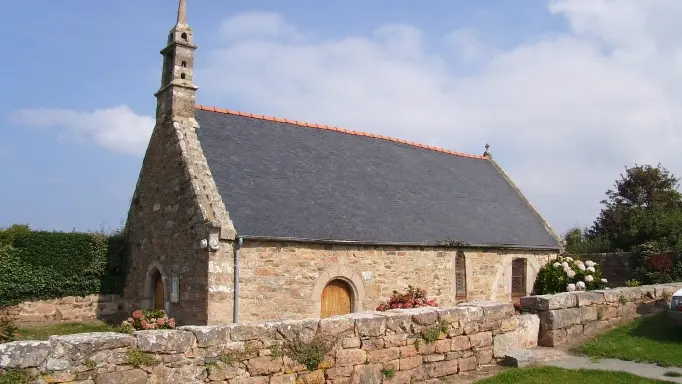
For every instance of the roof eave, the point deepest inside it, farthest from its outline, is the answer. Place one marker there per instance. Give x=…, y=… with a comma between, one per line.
x=399, y=244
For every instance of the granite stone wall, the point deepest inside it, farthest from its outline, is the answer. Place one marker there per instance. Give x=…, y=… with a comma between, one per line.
x=573, y=316
x=67, y=309
x=373, y=347
x=285, y=280
x=616, y=267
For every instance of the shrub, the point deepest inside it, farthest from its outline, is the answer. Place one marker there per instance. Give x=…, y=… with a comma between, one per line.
x=656, y=263
x=14, y=376
x=309, y=353
x=568, y=274
x=434, y=332
x=413, y=298
x=137, y=358
x=632, y=283
x=41, y=265
x=8, y=330
x=148, y=319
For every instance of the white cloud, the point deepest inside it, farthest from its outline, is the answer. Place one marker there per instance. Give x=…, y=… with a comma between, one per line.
x=563, y=112
x=118, y=128
x=255, y=25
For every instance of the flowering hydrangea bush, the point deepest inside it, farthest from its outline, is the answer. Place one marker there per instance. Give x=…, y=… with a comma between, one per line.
x=148, y=319
x=414, y=298
x=567, y=274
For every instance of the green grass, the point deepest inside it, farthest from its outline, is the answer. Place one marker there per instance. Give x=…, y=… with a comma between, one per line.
x=42, y=332
x=651, y=339
x=542, y=375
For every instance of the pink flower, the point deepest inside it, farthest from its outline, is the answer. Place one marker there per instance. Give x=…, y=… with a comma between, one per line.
x=160, y=322
x=145, y=325
x=137, y=314
x=171, y=323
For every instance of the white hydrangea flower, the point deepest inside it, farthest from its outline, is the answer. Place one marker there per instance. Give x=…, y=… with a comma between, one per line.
x=570, y=287
x=589, y=278
x=591, y=269
x=565, y=265
x=590, y=263
x=581, y=266
x=570, y=273
x=604, y=281
x=557, y=265
x=569, y=259
x=580, y=285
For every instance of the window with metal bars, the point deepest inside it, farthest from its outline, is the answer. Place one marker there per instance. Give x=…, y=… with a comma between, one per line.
x=518, y=277
x=460, y=276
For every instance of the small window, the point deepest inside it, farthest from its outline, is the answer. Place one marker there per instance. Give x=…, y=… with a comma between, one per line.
x=184, y=64
x=182, y=76
x=184, y=36
x=460, y=277
x=518, y=278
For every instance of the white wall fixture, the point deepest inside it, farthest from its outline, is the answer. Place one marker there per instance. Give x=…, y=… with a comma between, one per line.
x=175, y=289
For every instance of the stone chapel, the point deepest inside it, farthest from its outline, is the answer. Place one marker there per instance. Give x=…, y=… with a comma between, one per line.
x=243, y=217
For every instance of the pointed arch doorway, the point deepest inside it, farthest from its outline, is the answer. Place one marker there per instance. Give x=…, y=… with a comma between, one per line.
x=158, y=290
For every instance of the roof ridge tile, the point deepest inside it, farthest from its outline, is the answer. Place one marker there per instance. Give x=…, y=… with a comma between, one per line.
x=337, y=129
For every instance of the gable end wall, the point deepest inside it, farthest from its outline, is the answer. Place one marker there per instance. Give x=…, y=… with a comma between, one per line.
x=174, y=204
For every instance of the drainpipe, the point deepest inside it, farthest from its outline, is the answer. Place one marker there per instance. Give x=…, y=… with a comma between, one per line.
x=235, y=306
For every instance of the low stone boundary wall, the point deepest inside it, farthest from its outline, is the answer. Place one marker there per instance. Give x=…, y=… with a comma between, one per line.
x=572, y=316
x=373, y=347
x=66, y=309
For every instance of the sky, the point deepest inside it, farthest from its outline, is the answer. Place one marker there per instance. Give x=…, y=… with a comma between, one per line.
x=566, y=92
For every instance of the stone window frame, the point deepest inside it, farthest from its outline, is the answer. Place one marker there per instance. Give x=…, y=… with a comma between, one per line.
x=148, y=289
x=348, y=276
x=461, y=296
x=525, y=277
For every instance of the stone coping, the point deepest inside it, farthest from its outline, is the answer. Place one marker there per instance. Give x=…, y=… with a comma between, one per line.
x=585, y=298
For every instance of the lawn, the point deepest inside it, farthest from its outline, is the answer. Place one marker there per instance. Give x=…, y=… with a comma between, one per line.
x=42, y=332
x=542, y=375
x=652, y=339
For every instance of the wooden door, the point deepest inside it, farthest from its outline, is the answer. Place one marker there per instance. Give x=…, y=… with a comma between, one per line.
x=336, y=299
x=158, y=291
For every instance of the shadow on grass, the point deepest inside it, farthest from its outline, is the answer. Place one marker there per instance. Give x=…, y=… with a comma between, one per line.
x=650, y=339
x=658, y=328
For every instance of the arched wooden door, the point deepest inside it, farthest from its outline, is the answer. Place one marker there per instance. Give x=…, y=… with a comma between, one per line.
x=337, y=299
x=158, y=291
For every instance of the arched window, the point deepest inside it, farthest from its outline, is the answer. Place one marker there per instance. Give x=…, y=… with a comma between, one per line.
x=460, y=277
x=337, y=299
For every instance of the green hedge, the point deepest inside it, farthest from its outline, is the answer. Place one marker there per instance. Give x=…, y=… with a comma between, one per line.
x=39, y=265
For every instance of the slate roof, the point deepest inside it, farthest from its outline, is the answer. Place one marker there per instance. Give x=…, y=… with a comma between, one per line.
x=291, y=180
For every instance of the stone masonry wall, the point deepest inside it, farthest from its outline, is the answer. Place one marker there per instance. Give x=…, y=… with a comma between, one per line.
x=616, y=267
x=367, y=346
x=285, y=280
x=573, y=316
x=71, y=309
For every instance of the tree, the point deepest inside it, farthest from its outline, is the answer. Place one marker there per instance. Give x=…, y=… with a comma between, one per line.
x=578, y=242
x=644, y=205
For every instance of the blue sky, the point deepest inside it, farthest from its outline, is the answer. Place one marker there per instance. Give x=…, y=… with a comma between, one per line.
x=532, y=78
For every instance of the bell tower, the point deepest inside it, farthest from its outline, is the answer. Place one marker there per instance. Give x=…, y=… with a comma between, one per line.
x=177, y=95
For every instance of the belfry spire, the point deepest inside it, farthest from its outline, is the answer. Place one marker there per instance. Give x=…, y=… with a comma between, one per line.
x=177, y=92
x=182, y=13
